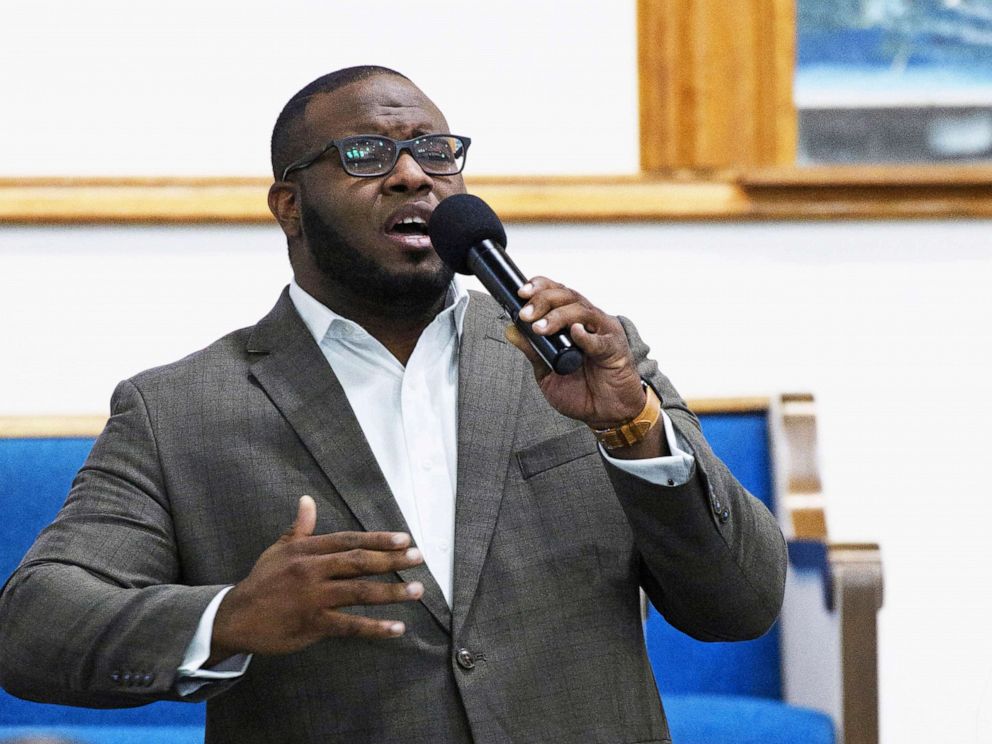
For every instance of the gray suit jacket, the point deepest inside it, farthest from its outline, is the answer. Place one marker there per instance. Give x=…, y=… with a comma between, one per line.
x=200, y=469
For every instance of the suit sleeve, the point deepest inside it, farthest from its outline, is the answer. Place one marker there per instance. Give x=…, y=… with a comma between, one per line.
x=96, y=614
x=713, y=557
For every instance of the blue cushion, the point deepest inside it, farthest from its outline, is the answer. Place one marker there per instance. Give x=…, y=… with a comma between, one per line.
x=17, y=712
x=35, y=475
x=111, y=734
x=725, y=719
x=741, y=441
x=683, y=665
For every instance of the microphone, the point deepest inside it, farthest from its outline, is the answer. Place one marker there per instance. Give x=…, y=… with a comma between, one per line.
x=469, y=238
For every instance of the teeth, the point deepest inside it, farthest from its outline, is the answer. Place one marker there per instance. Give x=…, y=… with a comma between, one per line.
x=413, y=221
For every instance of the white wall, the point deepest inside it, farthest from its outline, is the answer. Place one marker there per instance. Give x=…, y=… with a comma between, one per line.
x=188, y=87
x=887, y=323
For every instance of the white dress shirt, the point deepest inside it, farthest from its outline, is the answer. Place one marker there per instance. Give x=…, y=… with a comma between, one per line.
x=409, y=415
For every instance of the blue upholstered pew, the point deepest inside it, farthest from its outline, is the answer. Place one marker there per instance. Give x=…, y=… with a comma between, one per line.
x=714, y=693
x=717, y=693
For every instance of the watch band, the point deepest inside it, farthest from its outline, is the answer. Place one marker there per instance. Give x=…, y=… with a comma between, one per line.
x=633, y=431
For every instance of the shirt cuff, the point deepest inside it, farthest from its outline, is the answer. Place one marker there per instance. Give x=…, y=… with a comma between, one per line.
x=673, y=470
x=191, y=675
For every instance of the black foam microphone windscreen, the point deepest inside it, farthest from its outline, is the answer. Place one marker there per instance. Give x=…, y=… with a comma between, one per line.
x=460, y=222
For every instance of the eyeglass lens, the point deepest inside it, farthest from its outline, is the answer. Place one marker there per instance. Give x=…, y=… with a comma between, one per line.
x=437, y=154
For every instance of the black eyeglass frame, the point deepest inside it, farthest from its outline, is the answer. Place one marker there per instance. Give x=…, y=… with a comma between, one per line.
x=400, y=145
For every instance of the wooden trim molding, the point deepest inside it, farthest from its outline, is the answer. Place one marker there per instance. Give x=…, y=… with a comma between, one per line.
x=133, y=200
x=751, y=404
x=756, y=194
x=798, y=486
x=872, y=192
x=857, y=584
x=50, y=427
x=715, y=84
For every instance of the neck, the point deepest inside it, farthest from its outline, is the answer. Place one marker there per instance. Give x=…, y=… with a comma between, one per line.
x=396, y=325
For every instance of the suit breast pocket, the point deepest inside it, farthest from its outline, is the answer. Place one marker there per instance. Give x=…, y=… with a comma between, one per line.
x=567, y=487
x=557, y=451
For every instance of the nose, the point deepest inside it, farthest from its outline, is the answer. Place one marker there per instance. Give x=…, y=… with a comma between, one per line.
x=407, y=176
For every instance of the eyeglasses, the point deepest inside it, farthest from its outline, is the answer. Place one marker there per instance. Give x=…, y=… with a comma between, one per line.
x=371, y=155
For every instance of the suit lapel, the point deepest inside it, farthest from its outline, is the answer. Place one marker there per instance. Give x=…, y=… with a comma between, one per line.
x=489, y=375
x=294, y=373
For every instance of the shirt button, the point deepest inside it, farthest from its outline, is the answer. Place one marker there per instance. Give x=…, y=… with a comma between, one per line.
x=444, y=546
x=465, y=658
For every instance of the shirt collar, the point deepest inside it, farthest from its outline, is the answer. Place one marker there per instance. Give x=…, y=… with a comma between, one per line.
x=322, y=322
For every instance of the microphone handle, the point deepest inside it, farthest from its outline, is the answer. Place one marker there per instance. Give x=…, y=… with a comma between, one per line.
x=498, y=274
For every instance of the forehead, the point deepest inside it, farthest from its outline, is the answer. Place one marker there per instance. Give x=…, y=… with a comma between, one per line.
x=383, y=104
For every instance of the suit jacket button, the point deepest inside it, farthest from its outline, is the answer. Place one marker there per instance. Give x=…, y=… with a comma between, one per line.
x=465, y=658
x=115, y=676
x=146, y=679
x=724, y=516
x=126, y=678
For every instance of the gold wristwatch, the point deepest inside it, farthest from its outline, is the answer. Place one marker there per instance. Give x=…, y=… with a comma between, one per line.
x=633, y=431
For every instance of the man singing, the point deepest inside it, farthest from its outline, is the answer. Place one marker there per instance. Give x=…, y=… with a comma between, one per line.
x=376, y=516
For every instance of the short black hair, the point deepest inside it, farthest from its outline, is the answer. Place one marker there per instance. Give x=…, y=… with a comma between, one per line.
x=289, y=134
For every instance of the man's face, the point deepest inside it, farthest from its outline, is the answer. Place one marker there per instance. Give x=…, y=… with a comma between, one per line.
x=353, y=226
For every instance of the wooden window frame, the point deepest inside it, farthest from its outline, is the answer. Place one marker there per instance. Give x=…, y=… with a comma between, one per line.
x=717, y=142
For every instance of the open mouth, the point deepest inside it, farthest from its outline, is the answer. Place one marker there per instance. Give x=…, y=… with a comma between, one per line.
x=410, y=230
x=410, y=226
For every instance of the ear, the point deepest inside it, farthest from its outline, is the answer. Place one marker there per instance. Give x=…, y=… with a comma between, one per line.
x=284, y=203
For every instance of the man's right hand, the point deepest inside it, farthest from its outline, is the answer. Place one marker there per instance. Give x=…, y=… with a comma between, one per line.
x=293, y=595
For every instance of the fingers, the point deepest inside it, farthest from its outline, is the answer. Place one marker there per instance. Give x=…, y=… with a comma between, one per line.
x=595, y=345
x=353, y=563
x=346, y=555
x=543, y=300
x=294, y=593
x=306, y=518
x=337, y=542
x=339, y=594
x=356, y=593
x=305, y=522
x=553, y=308
x=344, y=624
x=536, y=284
x=351, y=593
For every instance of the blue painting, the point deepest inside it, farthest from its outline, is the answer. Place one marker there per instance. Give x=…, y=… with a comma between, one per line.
x=929, y=48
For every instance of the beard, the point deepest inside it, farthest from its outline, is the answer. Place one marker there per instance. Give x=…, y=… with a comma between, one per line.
x=341, y=262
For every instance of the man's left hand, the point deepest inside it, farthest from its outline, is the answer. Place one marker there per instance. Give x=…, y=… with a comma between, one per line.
x=606, y=390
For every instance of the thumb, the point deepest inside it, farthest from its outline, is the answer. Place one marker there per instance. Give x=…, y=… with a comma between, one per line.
x=515, y=337
x=306, y=519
